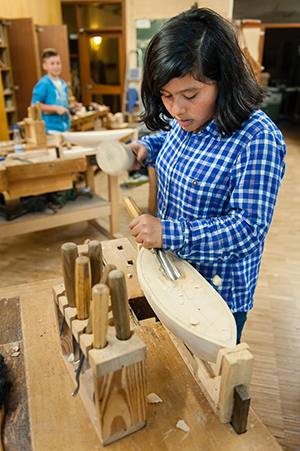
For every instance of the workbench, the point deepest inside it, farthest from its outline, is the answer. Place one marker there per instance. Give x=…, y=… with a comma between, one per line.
x=36, y=172
x=85, y=121
x=42, y=414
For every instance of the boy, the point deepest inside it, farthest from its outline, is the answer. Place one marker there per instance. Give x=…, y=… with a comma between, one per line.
x=52, y=93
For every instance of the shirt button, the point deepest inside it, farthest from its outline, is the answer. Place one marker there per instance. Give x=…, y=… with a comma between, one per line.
x=164, y=207
x=195, y=182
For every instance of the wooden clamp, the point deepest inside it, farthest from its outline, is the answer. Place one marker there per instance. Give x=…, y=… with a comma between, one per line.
x=117, y=373
x=221, y=380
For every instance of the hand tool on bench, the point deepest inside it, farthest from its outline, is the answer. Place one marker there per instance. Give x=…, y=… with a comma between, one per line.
x=100, y=315
x=82, y=297
x=89, y=328
x=119, y=301
x=69, y=253
x=95, y=256
x=108, y=267
x=168, y=266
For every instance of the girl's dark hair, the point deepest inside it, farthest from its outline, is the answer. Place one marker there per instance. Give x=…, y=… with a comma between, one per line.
x=201, y=43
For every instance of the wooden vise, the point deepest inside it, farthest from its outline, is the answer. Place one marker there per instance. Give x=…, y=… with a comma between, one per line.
x=35, y=129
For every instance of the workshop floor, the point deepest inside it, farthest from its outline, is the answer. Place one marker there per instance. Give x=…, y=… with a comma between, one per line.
x=273, y=327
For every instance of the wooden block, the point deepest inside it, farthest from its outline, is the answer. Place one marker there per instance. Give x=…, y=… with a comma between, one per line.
x=236, y=369
x=78, y=328
x=240, y=409
x=70, y=315
x=41, y=185
x=117, y=354
x=58, y=291
x=225, y=351
x=86, y=343
x=63, y=304
x=120, y=386
x=45, y=167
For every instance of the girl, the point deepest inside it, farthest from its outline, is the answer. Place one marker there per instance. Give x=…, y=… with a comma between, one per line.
x=219, y=159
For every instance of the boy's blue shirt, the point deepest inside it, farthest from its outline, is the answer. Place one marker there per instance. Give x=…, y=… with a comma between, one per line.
x=46, y=92
x=216, y=198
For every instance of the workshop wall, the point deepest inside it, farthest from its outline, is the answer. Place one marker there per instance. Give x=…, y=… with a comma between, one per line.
x=43, y=12
x=156, y=9
x=269, y=11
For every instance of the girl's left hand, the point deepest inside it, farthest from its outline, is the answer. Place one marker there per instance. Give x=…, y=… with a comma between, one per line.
x=147, y=231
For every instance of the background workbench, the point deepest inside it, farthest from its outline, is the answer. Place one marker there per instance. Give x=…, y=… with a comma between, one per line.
x=58, y=421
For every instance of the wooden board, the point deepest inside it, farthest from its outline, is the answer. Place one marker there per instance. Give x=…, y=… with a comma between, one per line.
x=81, y=209
x=59, y=421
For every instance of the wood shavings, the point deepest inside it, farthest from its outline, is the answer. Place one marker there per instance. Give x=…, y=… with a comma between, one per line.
x=15, y=354
x=16, y=348
x=193, y=321
x=71, y=357
x=180, y=301
x=182, y=425
x=152, y=398
x=129, y=276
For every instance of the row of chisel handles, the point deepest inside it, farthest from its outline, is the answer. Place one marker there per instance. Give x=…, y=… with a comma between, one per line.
x=86, y=279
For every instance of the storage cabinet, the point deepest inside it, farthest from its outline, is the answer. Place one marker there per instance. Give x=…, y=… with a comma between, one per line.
x=8, y=110
x=21, y=46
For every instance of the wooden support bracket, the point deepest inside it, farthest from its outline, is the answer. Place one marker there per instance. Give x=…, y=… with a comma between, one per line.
x=218, y=381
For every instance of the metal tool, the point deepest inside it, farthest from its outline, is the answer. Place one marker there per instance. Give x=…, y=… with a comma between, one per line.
x=171, y=270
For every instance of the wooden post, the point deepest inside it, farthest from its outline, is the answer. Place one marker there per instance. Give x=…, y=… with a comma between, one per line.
x=236, y=370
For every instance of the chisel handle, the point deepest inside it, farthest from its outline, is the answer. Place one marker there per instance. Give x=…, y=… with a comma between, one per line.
x=82, y=286
x=95, y=256
x=131, y=207
x=100, y=293
x=104, y=277
x=69, y=253
x=119, y=301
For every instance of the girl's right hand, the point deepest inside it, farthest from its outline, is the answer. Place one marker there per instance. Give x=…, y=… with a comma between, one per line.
x=140, y=153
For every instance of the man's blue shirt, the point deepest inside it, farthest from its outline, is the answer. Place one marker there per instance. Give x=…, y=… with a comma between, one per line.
x=216, y=198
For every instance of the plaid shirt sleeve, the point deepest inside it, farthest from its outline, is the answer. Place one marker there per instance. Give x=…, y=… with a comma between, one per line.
x=255, y=178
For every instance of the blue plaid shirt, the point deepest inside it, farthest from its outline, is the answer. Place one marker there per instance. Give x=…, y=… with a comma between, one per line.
x=216, y=198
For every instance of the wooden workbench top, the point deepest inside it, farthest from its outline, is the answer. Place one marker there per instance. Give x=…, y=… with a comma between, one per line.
x=60, y=422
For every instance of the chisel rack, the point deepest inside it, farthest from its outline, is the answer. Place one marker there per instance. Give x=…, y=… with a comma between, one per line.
x=113, y=389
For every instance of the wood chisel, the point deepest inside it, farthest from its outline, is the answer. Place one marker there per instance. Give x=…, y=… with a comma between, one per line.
x=119, y=301
x=95, y=256
x=82, y=286
x=100, y=315
x=69, y=253
x=166, y=263
x=82, y=298
x=104, y=280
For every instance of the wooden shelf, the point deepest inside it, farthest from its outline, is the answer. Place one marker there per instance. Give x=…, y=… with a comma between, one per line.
x=81, y=209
